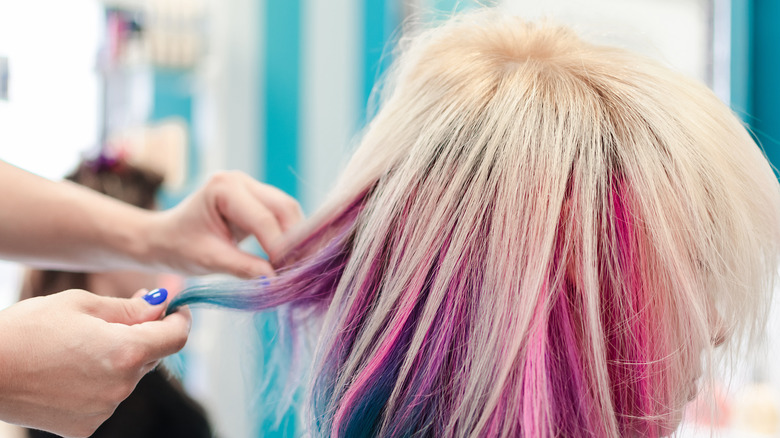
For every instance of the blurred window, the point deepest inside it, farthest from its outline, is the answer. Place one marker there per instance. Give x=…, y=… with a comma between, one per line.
x=50, y=114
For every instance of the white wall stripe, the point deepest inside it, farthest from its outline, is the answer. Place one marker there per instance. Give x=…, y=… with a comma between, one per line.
x=330, y=97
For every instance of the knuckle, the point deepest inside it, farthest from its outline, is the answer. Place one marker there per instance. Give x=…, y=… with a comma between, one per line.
x=215, y=183
x=208, y=260
x=129, y=360
x=109, y=398
x=291, y=206
x=82, y=430
x=77, y=293
x=120, y=392
x=180, y=340
x=218, y=177
x=81, y=298
x=245, y=270
x=265, y=219
x=224, y=177
x=86, y=426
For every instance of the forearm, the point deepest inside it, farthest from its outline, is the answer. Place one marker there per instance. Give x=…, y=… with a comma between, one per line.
x=67, y=226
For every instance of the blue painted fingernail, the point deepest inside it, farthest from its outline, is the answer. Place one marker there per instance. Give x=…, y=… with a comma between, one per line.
x=156, y=296
x=264, y=281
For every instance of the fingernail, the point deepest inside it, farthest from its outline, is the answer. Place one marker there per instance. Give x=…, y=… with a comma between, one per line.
x=156, y=296
x=264, y=281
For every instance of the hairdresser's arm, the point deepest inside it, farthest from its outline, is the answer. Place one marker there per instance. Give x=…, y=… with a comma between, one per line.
x=67, y=360
x=67, y=226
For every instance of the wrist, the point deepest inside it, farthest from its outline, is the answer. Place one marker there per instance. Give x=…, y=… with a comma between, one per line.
x=133, y=238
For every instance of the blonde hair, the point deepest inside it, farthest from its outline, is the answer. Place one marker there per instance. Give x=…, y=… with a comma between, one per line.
x=537, y=236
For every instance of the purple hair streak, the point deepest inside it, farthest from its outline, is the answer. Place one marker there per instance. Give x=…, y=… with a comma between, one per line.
x=537, y=237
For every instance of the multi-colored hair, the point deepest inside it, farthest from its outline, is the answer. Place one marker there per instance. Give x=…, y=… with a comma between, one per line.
x=536, y=237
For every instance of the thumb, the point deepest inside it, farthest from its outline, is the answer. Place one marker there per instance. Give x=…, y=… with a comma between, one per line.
x=141, y=308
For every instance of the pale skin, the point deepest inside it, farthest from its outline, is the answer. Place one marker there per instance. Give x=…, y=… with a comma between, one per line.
x=67, y=360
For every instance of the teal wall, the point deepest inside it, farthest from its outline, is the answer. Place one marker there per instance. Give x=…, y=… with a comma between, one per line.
x=172, y=97
x=741, y=56
x=755, y=70
x=280, y=97
x=766, y=76
x=381, y=21
x=282, y=26
x=281, y=66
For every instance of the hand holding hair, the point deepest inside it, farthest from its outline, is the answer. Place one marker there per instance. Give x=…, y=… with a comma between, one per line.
x=67, y=360
x=62, y=225
x=200, y=235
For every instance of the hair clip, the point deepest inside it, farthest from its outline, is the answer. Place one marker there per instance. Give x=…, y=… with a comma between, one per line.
x=104, y=163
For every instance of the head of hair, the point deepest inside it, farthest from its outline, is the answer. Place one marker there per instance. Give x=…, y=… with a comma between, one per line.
x=115, y=178
x=537, y=236
x=120, y=180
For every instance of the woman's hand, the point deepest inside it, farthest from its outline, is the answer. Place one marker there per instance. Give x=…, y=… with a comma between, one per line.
x=65, y=226
x=201, y=234
x=67, y=360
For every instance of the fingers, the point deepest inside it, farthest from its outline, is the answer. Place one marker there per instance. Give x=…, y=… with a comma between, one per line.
x=140, y=293
x=164, y=337
x=231, y=260
x=147, y=338
x=258, y=209
x=204, y=230
x=123, y=310
x=150, y=366
x=69, y=427
x=242, y=210
x=284, y=207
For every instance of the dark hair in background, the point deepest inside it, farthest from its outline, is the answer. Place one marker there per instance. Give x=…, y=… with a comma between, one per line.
x=111, y=177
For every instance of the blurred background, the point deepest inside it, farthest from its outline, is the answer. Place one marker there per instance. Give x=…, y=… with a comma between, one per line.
x=280, y=89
